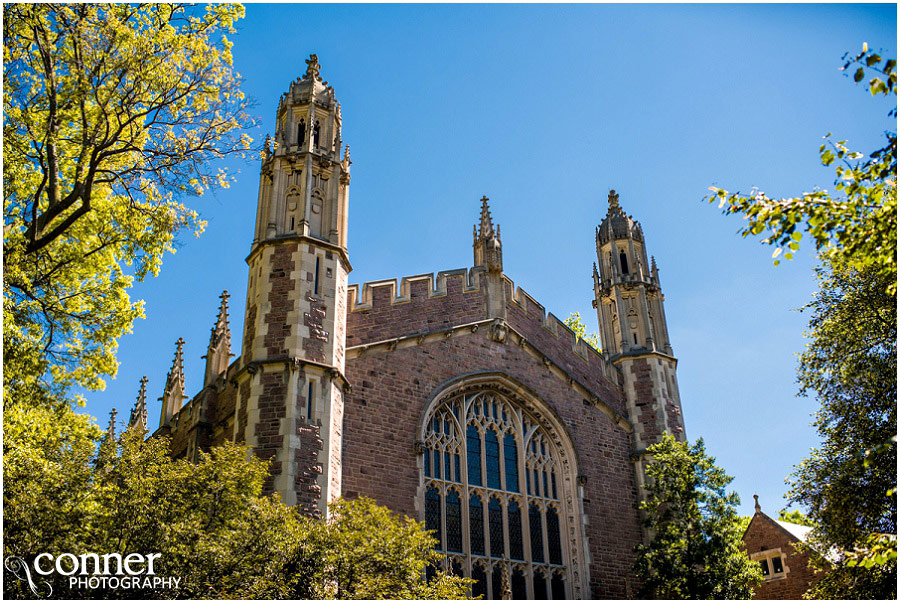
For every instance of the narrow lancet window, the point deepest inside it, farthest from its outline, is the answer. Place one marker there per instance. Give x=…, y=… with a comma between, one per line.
x=473, y=445
x=623, y=259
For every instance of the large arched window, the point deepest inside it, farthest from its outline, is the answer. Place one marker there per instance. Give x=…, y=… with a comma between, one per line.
x=498, y=491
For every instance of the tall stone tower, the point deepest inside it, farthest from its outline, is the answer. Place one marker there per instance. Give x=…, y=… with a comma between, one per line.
x=290, y=406
x=633, y=331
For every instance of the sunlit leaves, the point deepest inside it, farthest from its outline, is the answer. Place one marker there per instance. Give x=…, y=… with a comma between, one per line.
x=575, y=323
x=112, y=113
x=695, y=551
x=855, y=225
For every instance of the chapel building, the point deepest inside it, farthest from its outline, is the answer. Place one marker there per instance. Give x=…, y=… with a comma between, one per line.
x=453, y=398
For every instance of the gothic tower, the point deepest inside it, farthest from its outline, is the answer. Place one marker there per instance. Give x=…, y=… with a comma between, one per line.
x=290, y=400
x=633, y=331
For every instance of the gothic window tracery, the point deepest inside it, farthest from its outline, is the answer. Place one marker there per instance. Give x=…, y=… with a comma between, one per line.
x=493, y=473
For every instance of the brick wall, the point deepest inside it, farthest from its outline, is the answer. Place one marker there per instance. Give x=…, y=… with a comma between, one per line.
x=385, y=319
x=764, y=534
x=385, y=407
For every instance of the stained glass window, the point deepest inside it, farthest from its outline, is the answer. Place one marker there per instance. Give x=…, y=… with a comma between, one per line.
x=553, y=543
x=492, y=459
x=540, y=586
x=537, y=535
x=519, y=588
x=514, y=521
x=454, y=522
x=480, y=586
x=473, y=448
x=495, y=525
x=511, y=463
x=476, y=525
x=433, y=513
x=558, y=587
x=500, y=444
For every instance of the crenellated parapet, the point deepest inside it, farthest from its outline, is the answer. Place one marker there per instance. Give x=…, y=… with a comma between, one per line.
x=364, y=296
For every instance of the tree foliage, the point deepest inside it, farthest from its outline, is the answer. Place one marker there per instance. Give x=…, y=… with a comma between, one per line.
x=848, y=485
x=575, y=323
x=695, y=550
x=111, y=113
x=796, y=517
x=856, y=225
x=209, y=520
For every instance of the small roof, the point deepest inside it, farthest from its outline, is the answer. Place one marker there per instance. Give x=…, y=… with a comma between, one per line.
x=799, y=532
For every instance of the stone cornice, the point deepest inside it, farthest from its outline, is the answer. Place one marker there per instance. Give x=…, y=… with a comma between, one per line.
x=287, y=362
x=342, y=253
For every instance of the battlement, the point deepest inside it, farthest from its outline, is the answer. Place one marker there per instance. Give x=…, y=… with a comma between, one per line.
x=536, y=312
x=371, y=294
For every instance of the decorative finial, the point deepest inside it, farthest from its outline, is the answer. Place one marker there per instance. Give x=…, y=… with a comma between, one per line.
x=487, y=224
x=176, y=374
x=312, y=68
x=756, y=503
x=267, y=147
x=614, y=200
x=139, y=412
x=111, y=430
x=347, y=154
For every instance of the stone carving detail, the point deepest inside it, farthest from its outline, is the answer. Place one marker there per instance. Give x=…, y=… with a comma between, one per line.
x=499, y=330
x=312, y=68
x=313, y=345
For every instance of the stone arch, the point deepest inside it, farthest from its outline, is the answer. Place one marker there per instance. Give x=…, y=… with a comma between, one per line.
x=494, y=401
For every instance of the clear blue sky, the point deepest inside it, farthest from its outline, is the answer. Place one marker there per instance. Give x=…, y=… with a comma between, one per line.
x=543, y=109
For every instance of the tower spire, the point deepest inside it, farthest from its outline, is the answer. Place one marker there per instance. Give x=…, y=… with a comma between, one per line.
x=487, y=224
x=173, y=395
x=218, y=352
x=111, y=429
x=488, y=249
x=139, y=412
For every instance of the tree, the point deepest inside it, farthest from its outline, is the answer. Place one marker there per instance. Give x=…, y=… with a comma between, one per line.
x=848, y=485
x=695, y=550
x=575, y=323
x=209, y=520
x=857, y=225
x=796, y=517
x=111, y=112
x=367, y=552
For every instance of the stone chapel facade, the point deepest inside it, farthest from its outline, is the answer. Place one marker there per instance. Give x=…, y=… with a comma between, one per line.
x=453, y=398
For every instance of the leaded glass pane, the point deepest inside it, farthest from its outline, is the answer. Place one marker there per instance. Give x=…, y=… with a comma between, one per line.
x=492, y=459
x=433, y=513
x=447, y=474
x=480, y=586
x=537, y=536
x=476, y=525
x=495, y=525
x=511, y=463
x=455, y=568
x=558, y=587
x=427, y=463
x=454, y=522
x=553, y=484
x=514, y=520
x=473, y=452
x=519, y=588
x=777, y=568
x=458, y=474
x=540, y=587
x=553, y=542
